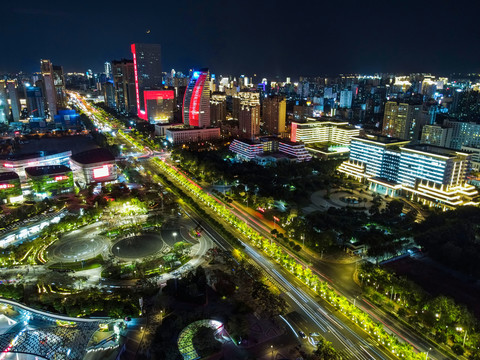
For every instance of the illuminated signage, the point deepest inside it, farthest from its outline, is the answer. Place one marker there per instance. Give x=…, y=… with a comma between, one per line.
x=61, y=177
x=101, y=172
x=8, y=165
x=6, y=186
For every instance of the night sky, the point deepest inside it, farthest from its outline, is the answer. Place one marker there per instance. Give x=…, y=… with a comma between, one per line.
x=274, y=38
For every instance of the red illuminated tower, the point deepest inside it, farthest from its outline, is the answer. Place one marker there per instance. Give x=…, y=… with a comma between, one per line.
x=196, y=102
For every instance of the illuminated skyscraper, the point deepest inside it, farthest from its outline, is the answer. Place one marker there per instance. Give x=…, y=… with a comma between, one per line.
x=4, y=109
x=403, y=121
x=59, y=83
x=48, y=81
x=274, y=114
x=108, y=70
x=218, y=107
x=148, y=72
x=196, y=101
x=124, y=82
x=35, y=102
x=14, y=99
x=249, y=117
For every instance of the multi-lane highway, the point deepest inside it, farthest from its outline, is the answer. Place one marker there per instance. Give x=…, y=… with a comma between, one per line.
x=315, y=316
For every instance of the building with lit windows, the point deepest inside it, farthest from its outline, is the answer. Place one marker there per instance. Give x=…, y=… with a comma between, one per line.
x=18, y=162
x=437, y=135
x=249, y=114
x=316, y=130
x=403, y=121
x=59, y=84
x=94, y=166
x=218, y=108
x=49, y=86
x=123, y=74
x=35, y=102
x=159, y=105
x=14, y=99
x=10, y=187
x=47, y=181
x=433, y=175
x=147, y=71
x=179, y=135
x=196, y=101
x=274, y=112
x=268, y=150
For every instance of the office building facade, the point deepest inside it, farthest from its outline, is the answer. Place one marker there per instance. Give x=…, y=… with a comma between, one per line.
x=196, y=100
x=35, y=102
x=249, y=116
x=323, y=131
x=433, y=175
x=148, y=72
x=403, y=121
x=14, y=99
x=123, y=74
x=274, y=113
x=218, y=108
x=46, y=68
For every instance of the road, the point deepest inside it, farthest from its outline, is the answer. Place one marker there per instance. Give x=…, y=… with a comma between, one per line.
x=347, y=338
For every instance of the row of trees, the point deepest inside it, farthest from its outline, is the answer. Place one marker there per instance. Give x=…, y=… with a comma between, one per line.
x=303, y=273
x=447, y=321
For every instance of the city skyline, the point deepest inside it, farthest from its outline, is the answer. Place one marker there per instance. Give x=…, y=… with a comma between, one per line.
x=267, y=38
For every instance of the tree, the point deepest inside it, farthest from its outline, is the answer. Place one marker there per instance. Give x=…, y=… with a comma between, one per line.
x=325, y=351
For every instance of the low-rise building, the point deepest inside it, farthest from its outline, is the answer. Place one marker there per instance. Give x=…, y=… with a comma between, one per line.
x=10, y=187
x=433, y=175
x=47, y=181
x=186, y=135
x=94, y=166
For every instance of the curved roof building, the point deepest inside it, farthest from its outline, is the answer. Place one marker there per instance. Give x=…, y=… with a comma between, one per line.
x=196, y=101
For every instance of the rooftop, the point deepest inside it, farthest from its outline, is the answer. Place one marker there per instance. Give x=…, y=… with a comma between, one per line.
x=26, y=156
x=93, y=156
x=435, y=150
x=381, y=139
x=47, y=170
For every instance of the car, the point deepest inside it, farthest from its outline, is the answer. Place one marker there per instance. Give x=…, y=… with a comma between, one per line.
x=302, y=334
x=314, y=334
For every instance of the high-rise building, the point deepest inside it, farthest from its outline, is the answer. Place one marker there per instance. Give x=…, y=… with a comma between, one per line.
x=159, y=105
x=49, y=90
x=148, y=72
x=35, y=102
x=403, y=121
x=346, y=99
x=108, y=70
x=249, y=117
x=14, y=99
x=196, y=101
x=437, y=135
x=123, y=74
x=109, y=94
x=274, y=114
x=59, y=83
x=4, y=109
x=218, y=107
x=464, y=134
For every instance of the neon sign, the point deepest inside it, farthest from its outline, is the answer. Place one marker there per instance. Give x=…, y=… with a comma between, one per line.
x=101, y=172
x=6, y=186
x=8, y=165
x=61, y=177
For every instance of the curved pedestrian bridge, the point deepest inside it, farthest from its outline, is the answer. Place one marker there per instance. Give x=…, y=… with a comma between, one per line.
x=50, y=336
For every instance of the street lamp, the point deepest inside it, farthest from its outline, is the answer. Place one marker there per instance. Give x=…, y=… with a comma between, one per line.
x=426, y=355
x=118, y=250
